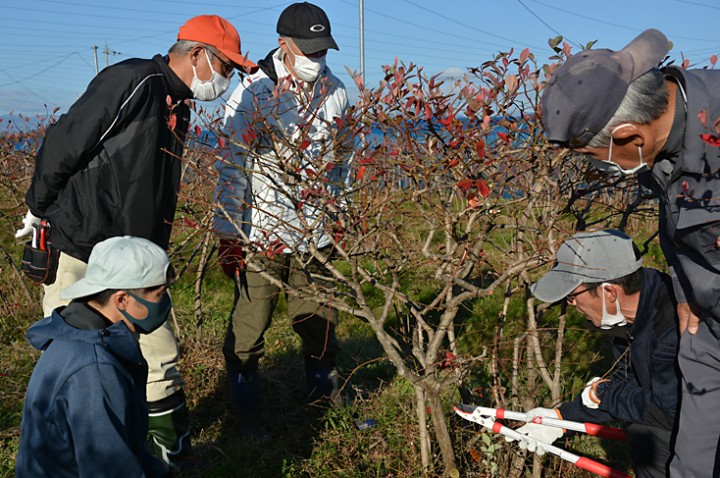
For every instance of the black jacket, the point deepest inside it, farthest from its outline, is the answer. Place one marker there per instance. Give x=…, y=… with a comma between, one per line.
x=110, y=166
x=644, y=386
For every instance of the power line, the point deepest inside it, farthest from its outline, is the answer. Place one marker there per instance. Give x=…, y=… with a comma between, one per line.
x=546, y=24
x=426, y=28
x=612, y=24
x=472, y=27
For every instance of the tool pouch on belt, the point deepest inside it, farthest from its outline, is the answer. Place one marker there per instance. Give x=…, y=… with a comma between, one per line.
x=40, y=260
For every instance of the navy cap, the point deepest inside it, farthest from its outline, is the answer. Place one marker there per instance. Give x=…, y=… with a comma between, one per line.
x=585, y=92
x=308, y=26
x=587, y=257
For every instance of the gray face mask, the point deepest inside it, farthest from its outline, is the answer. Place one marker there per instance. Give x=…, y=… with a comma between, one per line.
x=612, y=167
x=157, y=314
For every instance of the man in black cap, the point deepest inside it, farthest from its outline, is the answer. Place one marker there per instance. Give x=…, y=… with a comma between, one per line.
x=600, y=273
x=630, y=117
x=285, y=127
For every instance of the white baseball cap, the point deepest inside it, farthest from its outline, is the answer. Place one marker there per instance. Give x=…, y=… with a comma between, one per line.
x=121, y=263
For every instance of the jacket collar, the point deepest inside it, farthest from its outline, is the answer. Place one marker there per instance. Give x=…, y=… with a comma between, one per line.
x=178, y=90
x=116, y=337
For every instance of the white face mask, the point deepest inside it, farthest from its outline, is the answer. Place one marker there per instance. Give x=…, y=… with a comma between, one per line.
x=611, y=320
x=308, y=69
x=208, y=90
x=613, y=168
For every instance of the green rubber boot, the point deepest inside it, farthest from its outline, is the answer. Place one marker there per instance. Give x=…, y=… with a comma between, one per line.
x=169, y=431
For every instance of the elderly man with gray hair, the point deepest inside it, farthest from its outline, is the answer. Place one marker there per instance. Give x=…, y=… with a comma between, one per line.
x=631, y=117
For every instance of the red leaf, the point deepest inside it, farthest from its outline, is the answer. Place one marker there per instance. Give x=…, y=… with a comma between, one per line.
x=168, y=100
x=686, y=63
x=481, y=149
x=465, y=184
x=504, y=137
x=55, y=110
x=711, y=139
x=221, y=142
x=453, y=162
x=361, y=172
x=338, y=122
x=191, y=223
x=524, y=55
x=702, y=116
x=483, y=188
x=713, y=59
x=305, y=144
x=172, y=122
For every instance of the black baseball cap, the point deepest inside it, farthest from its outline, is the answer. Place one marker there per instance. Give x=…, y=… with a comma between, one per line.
x=584, y=93
x=308, y=26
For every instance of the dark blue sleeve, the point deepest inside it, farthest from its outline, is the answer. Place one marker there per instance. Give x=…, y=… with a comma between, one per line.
x=105, y=425
x=626, y=400
x=577, y=412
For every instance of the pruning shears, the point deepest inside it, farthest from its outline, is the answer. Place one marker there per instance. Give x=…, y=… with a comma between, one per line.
x=486, y=417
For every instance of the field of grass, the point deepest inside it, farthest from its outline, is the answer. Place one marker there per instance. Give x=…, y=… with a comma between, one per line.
x=308, y=442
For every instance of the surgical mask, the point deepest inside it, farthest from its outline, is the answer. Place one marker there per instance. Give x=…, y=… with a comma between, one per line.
x=157, y=314
x=610, y=320
x=613, y=168
x=208, y=90
x=308, y=69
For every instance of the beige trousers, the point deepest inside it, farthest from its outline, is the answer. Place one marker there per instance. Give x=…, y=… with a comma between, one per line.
x=160, y=348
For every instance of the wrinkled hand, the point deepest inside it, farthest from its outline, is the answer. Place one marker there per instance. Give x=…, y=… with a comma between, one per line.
x=687, y=319
x=537, y=432
x=29, y=223
x=589, y=394
x=232, y=257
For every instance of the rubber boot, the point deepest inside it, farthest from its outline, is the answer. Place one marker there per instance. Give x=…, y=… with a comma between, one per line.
x=169, y=431
x=323, y=385
x=245, y=392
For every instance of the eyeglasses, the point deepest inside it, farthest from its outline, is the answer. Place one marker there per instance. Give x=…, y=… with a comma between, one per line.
x=228, y=68
x=571, y=296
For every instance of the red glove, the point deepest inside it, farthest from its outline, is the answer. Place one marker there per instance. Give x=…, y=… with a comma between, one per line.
x=232, y=257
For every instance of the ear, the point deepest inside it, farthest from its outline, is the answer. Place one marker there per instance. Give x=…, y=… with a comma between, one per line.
x=195, y=54
x=120, y=300
x=610, y=291
x=629, y=133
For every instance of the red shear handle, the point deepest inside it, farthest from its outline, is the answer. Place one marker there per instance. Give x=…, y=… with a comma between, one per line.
x=599, y=469
x=605, y=432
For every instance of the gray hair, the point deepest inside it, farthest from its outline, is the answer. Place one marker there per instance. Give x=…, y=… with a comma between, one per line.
x=183, y=46
x=646, y=99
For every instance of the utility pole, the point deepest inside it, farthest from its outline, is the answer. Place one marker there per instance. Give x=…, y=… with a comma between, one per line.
x=362, y=40
x=108, y=52
x=94, y=48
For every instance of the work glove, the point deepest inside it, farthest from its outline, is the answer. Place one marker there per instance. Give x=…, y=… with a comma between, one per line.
x=589, y=394
x=232, y=257
x=539, y=433
x=29, y=224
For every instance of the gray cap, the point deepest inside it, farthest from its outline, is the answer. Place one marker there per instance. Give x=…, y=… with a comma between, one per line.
x=123, y=262
x=584, y=93
x=596, y=256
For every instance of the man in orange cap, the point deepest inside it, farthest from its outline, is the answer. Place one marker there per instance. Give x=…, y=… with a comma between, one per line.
x=110, y=167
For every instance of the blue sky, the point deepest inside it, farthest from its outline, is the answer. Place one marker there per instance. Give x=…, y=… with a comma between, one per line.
x=48, y=59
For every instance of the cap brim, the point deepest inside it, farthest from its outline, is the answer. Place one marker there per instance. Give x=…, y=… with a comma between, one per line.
x=81, y=288
x=239, y=60
x=646, y=51
x=555, y=285
x=314, y=45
